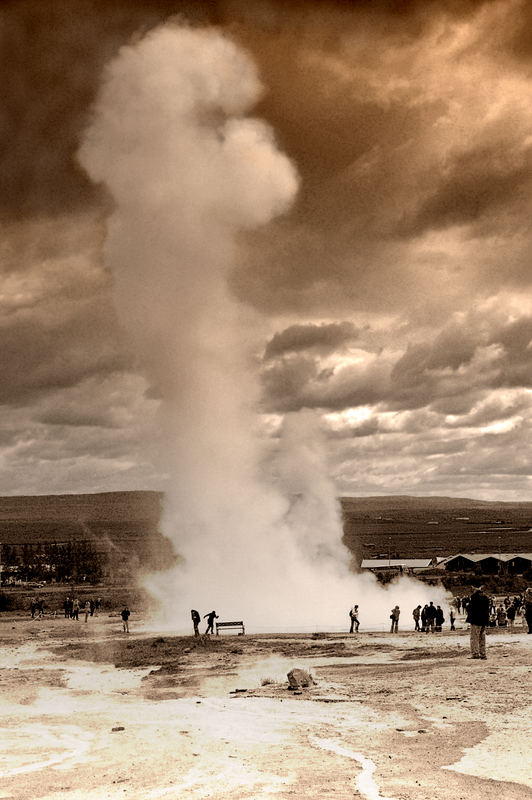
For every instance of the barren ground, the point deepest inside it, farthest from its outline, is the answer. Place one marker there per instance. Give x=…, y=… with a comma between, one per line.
x=88, y=712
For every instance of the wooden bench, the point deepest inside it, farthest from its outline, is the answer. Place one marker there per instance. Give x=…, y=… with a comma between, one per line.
x=239, y=625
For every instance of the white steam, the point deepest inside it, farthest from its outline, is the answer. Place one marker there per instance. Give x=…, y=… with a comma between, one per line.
x=187, y=171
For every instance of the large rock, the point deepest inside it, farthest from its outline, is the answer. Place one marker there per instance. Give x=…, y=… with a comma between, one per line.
x=299, y=678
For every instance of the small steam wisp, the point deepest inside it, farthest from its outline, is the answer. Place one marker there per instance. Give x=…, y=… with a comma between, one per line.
x=187, y=171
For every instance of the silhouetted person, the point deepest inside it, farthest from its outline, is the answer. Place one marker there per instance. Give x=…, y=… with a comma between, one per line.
x=211, y=616
x=430, y=616
x=125, y=614
x=416, y=614
x=196, y=619
x=353, y=615
x=394, y=616
x=452, y=619
x=478, y=616
x=528, y=608
x=439, y=618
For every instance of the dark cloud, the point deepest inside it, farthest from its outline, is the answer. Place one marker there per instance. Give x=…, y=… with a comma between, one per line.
x=40, y=355
x=323, y=337
x=476, y=184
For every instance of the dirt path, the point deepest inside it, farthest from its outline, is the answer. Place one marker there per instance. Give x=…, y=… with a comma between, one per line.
x=403, y=718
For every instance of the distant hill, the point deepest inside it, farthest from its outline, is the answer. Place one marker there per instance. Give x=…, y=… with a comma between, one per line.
x=122, y=526
x=409, y=527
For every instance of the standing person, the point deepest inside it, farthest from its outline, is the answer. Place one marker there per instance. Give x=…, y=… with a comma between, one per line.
x=66, y=606
x=92, y=606
x=478, y=615
x=528, y=608
x=125, y=614
x=394, y=616
x=424, y=618
x=452, y=618
x=457, y=601
x=75, y=609
x=511, y=615
x=196, y=619
x=87, y=610
x=353, y=615
x=416, y=613
x=439, y=619
x=211, y=616
x=430, y=615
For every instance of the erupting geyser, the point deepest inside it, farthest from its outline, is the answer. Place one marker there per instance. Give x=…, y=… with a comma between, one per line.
x=187, y=171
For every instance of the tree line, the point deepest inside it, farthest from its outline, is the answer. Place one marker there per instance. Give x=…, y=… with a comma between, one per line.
x=51, y=561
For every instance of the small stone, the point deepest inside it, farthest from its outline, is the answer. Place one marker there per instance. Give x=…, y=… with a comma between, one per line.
x=118, y=728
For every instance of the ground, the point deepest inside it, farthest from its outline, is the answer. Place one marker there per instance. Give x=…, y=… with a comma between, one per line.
x=90, y=713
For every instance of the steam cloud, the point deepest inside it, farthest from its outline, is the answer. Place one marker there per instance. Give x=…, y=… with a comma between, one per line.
x=187, y=171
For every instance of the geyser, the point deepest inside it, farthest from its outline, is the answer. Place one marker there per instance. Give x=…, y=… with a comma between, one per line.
x=187, y=171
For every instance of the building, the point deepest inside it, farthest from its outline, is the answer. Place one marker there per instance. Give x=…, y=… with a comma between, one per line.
x=488, y=563
x=397, y=564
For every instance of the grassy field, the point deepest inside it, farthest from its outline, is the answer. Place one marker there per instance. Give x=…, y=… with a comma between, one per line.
x=419, y=527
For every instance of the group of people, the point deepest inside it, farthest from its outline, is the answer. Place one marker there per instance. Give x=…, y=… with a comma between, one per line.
x=430, y=618
x=481, y=612
x=196, y=619
x=72, y=607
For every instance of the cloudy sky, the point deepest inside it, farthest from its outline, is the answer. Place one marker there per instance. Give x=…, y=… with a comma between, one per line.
x=394, y=295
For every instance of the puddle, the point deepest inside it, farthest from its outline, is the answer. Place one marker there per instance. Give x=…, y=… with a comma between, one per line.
x=365, y=782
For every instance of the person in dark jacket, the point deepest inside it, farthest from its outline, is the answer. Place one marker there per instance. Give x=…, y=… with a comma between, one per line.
x=211, y=616
x=430, y=616
x=125, y=614
x=439, y=618
x=196, y=619
x=478, y=616
x=528, y=608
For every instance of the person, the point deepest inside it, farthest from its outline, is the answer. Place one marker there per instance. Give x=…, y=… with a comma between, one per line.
x=528, y=608
x=452, y=618
x=424, y=618
x=394, y=616
x=501, y=617
x=416, y=614
x=353, y=615
x=430, y=615
x=439, y=618
x=211, y=616
x=75, y=609
x=196, y=619
x=92, y=606
x=511, y=615
x=125, y=614
x=66, y=607
x=457, y=601
x=478, y=615
x=87, y=610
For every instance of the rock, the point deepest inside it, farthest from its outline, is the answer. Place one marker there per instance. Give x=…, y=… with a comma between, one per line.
x=299, y=678
x=118, y=728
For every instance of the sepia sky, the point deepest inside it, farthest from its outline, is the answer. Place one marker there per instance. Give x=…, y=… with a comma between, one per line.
x=394, y=295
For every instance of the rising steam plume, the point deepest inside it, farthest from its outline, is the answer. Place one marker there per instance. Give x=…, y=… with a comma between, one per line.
x=188, y=170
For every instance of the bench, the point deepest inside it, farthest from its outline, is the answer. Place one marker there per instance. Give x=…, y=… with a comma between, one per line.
x=239, y=625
